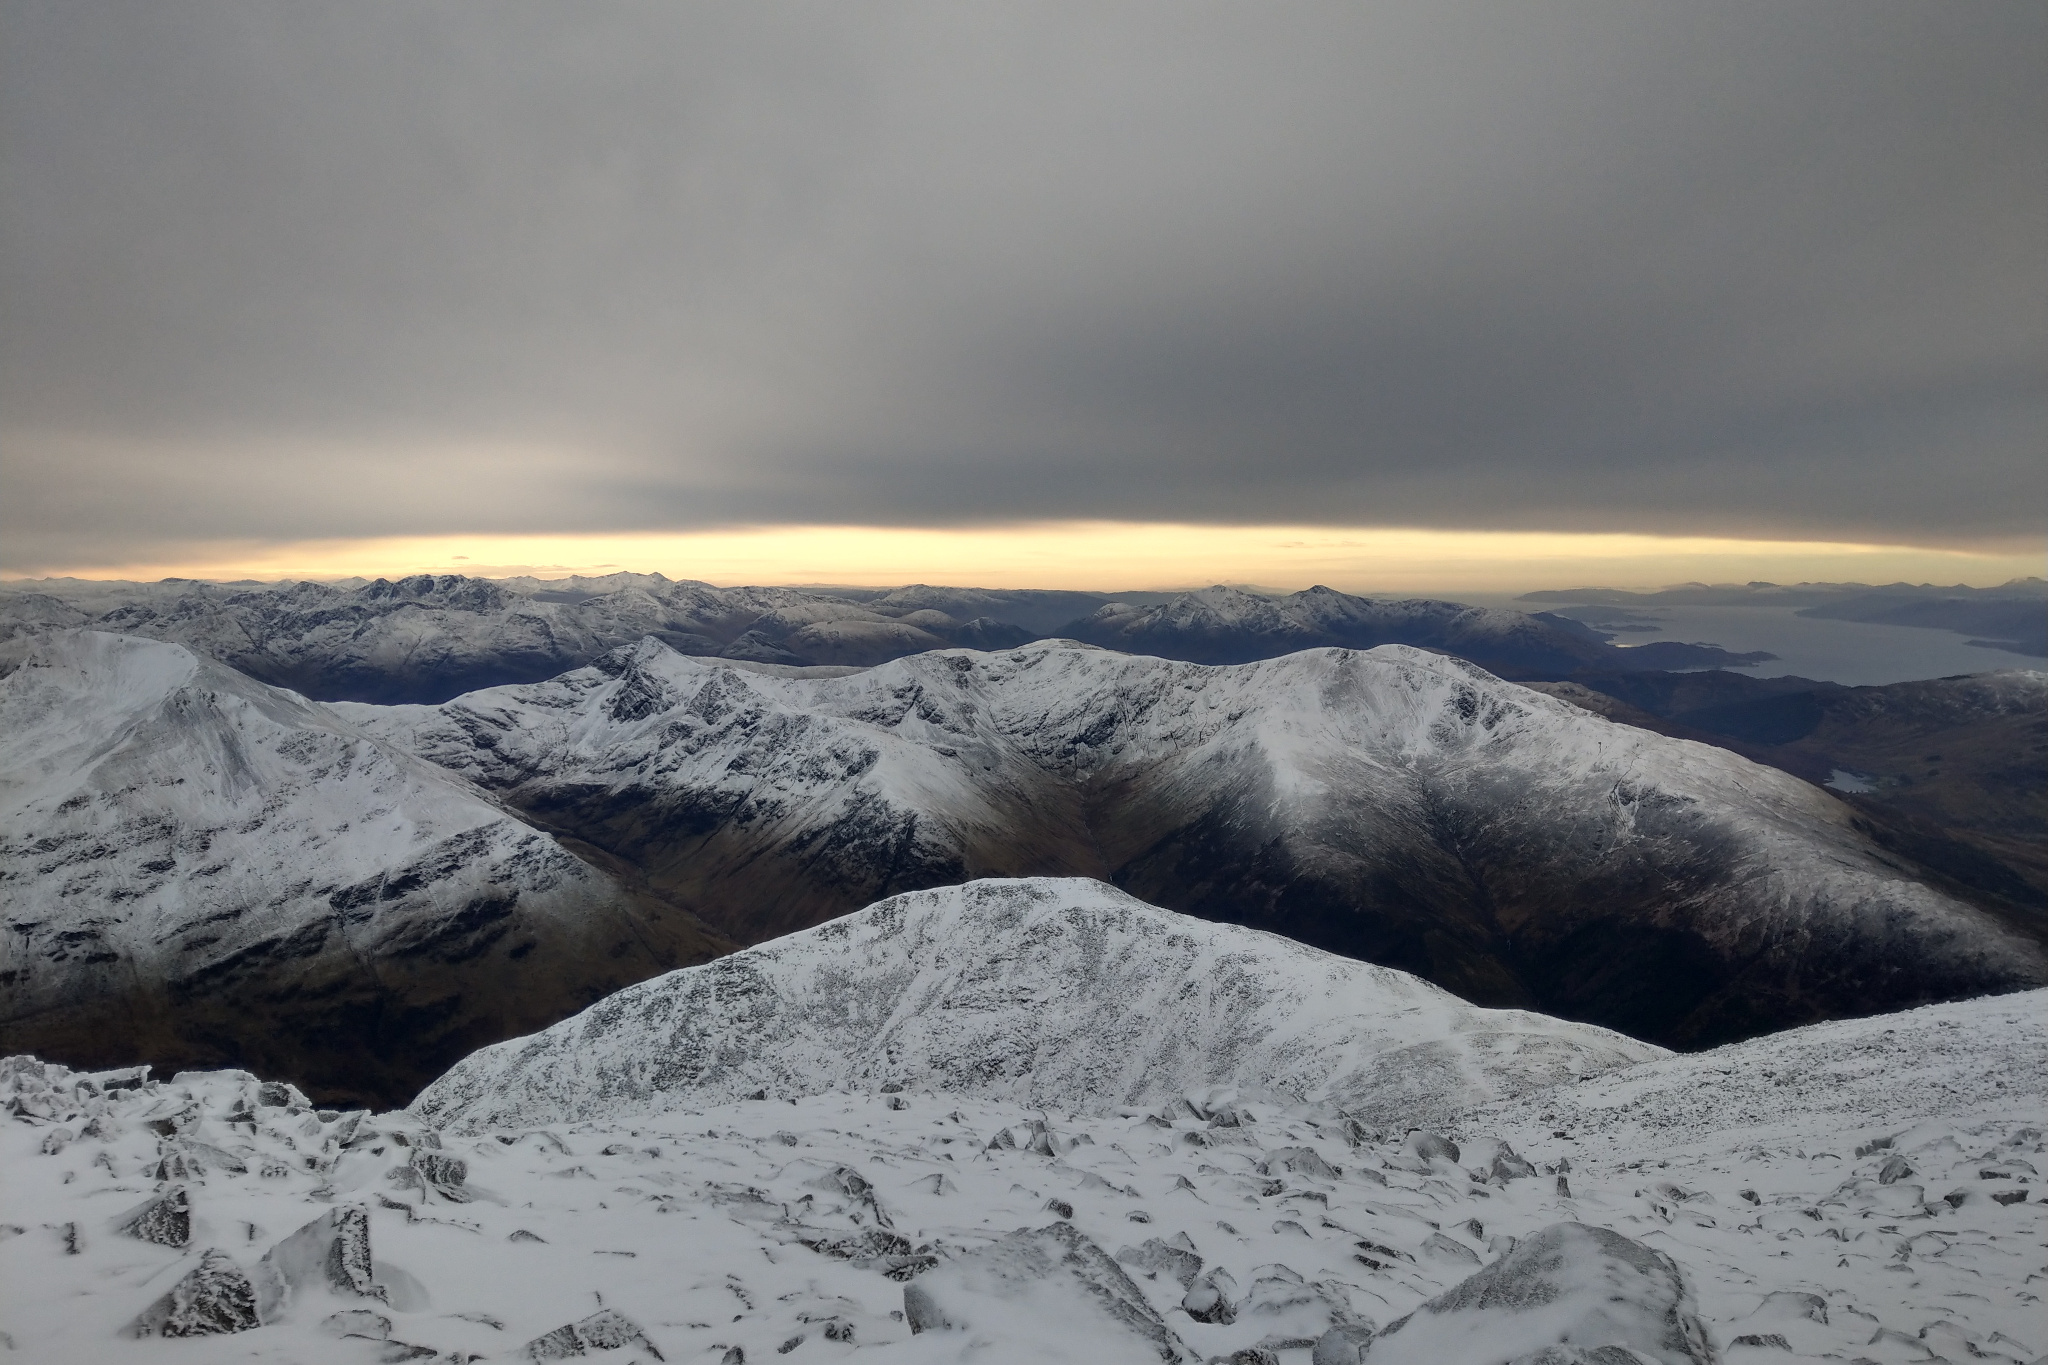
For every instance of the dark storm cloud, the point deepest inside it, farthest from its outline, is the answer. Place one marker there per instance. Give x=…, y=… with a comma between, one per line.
x=362, y=269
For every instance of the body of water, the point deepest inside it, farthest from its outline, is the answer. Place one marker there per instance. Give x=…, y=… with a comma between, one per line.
x=1848, y=652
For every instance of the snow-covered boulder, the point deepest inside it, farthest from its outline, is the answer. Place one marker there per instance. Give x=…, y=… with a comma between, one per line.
x=1586, y=1289
x=1043, y=1294
x=213, y=1298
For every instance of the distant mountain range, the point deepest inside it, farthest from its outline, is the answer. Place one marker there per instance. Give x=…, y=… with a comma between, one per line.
x=429, y=638
x=1230, y=626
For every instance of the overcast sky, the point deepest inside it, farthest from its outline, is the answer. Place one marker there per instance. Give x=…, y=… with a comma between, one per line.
x=349, y=269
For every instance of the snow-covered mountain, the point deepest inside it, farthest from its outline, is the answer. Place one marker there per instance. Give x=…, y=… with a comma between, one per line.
x=196, y=867
x=1864, y=1190
x=1223, y=625
x=1393, y=805
x=1052, y=993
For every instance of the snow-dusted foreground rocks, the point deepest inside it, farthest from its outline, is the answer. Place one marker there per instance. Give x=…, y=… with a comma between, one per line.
x=1059, y=992
x=1867, y=1190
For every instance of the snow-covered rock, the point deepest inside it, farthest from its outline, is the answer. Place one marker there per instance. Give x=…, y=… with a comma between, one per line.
x=1585, y=1288
x=605, y=1330
x=213, y=1298
x=200, y=868
x=1395, y=805
x=1047, y=1292
x=1065, y=994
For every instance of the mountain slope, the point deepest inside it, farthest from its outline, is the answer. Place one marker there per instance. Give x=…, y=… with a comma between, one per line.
x=1815, y=1082
x=1395, y=805
x=196, y=868
x=1952, y=772
x=1062, y=994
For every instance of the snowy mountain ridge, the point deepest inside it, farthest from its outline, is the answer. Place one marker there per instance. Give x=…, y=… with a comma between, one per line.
x=1396, y=805
x=1061, y=994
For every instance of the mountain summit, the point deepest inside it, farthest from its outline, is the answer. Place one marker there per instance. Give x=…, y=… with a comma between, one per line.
x=1062, y=994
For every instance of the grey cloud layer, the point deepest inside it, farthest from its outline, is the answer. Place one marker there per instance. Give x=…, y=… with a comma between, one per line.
x=356, y=269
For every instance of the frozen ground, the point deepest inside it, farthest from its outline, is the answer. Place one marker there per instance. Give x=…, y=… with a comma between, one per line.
x=1866, y=1190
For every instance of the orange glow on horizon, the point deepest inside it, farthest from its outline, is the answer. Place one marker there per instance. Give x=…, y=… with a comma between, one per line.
x=1100, y=556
